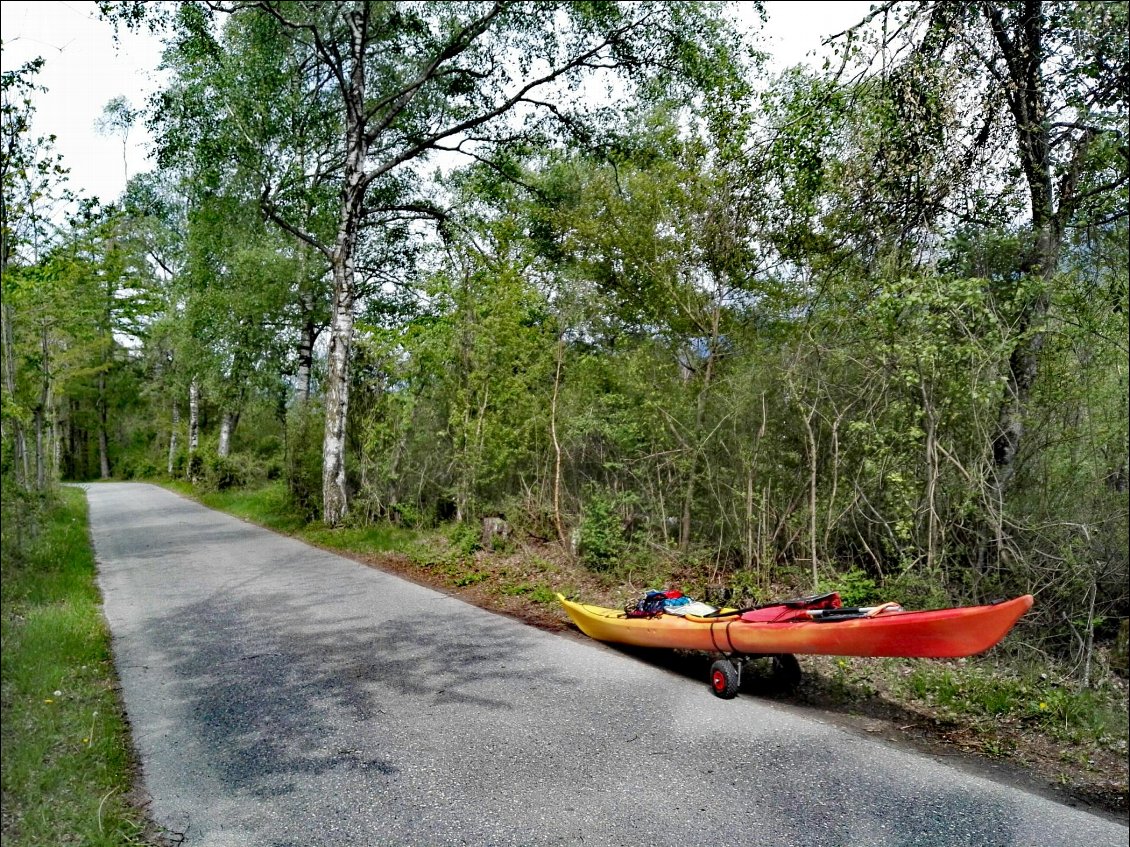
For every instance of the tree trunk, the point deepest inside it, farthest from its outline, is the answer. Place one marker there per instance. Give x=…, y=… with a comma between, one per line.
x=931, y=459
x=750, y=561
x=41, y=412
x=226, y=427
x=103, y=446
x=700, y=422
x=40, y=458
x=558, y=524
x=193, y=418
x=335, y=497
x=56, y=441
x=812, y=480
x=173, y=430
x=1024, y=54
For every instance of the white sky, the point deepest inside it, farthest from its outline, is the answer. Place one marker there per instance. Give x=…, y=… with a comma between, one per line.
x=83, y=70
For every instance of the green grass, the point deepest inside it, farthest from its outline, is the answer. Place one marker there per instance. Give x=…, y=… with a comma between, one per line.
x=270, y=507
x=1058, y=709
x=66, y=762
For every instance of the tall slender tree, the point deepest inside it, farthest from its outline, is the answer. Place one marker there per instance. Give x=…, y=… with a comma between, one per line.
x=401, y=83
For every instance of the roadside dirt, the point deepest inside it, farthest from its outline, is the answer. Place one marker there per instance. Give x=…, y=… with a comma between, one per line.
x=854, y=693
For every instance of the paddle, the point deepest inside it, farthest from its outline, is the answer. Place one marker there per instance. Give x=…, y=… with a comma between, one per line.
x=795, y=603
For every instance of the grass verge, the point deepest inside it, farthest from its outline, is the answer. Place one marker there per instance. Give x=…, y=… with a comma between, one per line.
x=269, y=506
x=67, y=763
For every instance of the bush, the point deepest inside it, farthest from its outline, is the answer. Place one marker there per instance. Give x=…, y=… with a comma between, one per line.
x=529, y=517
x=195, y=468
x=407, y=515
x=914, y=590
x=268, y=447
x=139, y=467
x=222, y=473
x=465, y=539
x=179, y=460
x=857, y=588
x=600, y=536
x=303, y=467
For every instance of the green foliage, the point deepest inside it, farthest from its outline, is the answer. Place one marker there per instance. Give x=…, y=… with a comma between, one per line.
x=857, y=588
x=304, y=459
x=232, y=471
x=537, y=592
x=194, y=469
x=600, y=535
x=1062, y=710
x=914, y=590
x=544, y=595
x=21, y=515
x=465, y=539
x=742, y=369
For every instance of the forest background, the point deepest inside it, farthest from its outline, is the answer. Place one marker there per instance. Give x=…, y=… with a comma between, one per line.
x=592, y=270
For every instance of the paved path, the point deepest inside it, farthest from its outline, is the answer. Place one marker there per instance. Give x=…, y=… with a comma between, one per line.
x=281, y=695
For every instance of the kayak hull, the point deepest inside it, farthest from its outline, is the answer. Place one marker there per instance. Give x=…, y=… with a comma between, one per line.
x=938, y=634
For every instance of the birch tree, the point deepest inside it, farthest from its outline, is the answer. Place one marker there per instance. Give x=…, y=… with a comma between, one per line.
x=403, y=83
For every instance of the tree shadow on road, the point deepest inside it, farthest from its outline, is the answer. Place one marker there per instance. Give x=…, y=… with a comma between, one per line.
x=279, y=691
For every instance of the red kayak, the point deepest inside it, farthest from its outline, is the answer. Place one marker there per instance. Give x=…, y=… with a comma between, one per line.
x=793, y=627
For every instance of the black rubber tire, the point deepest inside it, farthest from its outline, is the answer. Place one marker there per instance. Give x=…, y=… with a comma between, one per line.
x=725, y=679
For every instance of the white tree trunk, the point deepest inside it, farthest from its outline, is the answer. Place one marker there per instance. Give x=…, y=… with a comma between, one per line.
x=224, y=447
x=810, y=441
x=193, y=417
x=557, y=522
x=306, y=349
x=335, y=497
x=335, y=501
x=41, y=438
x=173, y=435
x=40, y=453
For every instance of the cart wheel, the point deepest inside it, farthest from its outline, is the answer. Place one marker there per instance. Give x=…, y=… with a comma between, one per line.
x=786, y=672
x=724, y=679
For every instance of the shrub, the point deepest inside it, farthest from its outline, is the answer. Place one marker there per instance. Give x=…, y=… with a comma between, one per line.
x=857, y=588
x=195, y=468
x=914, y=590
x=179, y=460
x=222, y=473
x=600, y=535
x=465, y=539
x=529, y=517
x=304, y=460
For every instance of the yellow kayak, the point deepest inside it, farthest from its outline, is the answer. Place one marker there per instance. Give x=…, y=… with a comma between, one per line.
x=886, y=630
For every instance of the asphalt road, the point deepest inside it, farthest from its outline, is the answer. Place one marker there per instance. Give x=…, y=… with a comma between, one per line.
x=281, y=695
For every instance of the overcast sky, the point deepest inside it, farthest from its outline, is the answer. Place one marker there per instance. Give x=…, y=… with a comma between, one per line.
x=83, y=70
